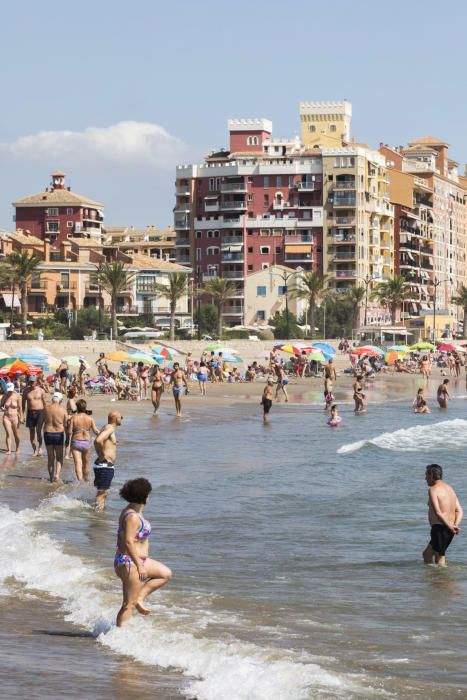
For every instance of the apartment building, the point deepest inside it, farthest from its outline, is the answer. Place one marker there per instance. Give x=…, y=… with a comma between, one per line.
x=66, y=278
x=57, y=213
x=152, y=241
x=358, y=218
x=267, y=293
x=243, y=210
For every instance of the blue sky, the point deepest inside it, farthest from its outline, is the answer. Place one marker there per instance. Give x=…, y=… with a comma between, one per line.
x=116, y=93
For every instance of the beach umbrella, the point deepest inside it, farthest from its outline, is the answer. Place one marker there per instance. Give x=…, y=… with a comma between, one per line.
x=399, y=348
x=296, y=349
x=325, y=348
x=217, y=347
x=422, y=345
x=316, y=356
x=392, y=356
x=117, y=356
x=72, y=360
x=19, y=367
x=7, y=360
x=446, y=347
x=374, y=348
x=168, y=353
x=3, y=355
x=52, y=362
x=142, y=357
x=365, y=351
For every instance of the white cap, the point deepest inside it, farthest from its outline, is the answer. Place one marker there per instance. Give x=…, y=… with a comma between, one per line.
x=57, y=397
x=10, y=386
x=81, y=358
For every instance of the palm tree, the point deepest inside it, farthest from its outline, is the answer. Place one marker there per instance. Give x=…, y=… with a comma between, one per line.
x=17, y=268
x=311, y=287
x=220, y=290
x=114, y=278
x=392, y=294
x=174, y=291
x=354, y=297
x=460, y=299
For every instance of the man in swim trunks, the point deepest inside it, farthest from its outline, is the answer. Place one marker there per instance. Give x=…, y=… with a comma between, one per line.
x=105, y=445
x=444, y=515
x=330, y=371
x=55, y=418
x=266, y=400
x=178, y=381
x=443, y=394
x=34, y=400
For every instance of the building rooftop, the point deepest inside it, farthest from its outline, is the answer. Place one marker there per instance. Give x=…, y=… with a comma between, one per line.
x=57, y=196
x=429, y=141
x=24, y=238
x=146, y=262
x=85, y=242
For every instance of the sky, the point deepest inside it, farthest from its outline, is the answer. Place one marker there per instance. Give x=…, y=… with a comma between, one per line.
x=116, y=93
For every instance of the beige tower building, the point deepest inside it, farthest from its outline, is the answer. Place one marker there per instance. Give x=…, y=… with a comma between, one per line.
x=325, y=124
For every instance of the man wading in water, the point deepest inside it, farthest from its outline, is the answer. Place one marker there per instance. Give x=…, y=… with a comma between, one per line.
x=105, y=445
x=444, y=515
x=178, y=381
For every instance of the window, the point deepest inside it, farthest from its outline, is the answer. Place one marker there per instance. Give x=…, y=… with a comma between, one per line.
x=212, y=270
x=65, y=280
x=212, y=184
x=53, y=226
x=250, y=248
x=69, y=211
x=264, y=266
x=266, y=181
x=332, y=127
x=278, y=181
x=281, y=290
x=291, y=182
x=35, y=280
x=250, y=268
x=266, y=200
x=312, y=128
x=264, y=250
x=199, y=234
x=261, y=291
x=250, y=197
x=216, y=234
x=252, y=141
x=213, y=250
x=69, y=224
x=198, y=253
x=260, y=315
x=52, y=212
x=278, y=249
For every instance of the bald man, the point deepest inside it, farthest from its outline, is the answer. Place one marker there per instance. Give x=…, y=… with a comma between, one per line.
x=105, y=445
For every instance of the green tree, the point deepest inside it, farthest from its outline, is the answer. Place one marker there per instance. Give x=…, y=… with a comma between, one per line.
x=220, y=290
x=114, y=278
x=18, y=269
x=311, y=287
x=354, y=298
x=392, y=294
x=279, y=323
x=460, y=299
x=174, y=291
x=207, y=319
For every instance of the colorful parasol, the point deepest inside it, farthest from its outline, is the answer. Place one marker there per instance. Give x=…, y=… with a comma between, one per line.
x=19, y=367
x=365, y=351
x=317, y=356
x=167, y=353
x=422, y=345
x=392, y=356
x=117, y=356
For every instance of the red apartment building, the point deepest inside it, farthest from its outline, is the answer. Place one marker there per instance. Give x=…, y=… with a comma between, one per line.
x=57, y=213
x=256, y=205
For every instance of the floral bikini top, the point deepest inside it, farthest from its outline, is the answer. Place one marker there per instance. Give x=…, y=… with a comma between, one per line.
x=145, y=529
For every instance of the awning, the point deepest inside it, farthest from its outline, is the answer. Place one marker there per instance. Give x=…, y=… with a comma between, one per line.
x=299, y=248
x=10, y=299
x=212, y=196
x=233, y=248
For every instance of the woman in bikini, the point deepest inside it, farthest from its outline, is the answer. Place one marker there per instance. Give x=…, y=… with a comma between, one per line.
x=359, y=396
x=143, y=376
x=12, y=416
x=79, y=431
x=157, y=388
x=139, y=575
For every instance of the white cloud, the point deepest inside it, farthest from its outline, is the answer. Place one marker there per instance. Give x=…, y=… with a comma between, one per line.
x=128, y=142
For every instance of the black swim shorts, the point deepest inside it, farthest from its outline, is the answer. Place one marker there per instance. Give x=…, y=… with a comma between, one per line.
x=33, y=418
x=267, y=404
x=441, y=538
x=54, y=438
x=103, y=475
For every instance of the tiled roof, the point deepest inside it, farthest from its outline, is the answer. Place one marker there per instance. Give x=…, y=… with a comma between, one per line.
x=26, y=239
x=85, y=242
x=57, y=197
x=428, y=140
x=146, y=262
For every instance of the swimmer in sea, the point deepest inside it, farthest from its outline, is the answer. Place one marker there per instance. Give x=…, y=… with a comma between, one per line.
x=419, y=402
x=444, y=515
x=358, y=395
x=266, y=400
x=443, y=394
x=140, y=576
x=334, y=419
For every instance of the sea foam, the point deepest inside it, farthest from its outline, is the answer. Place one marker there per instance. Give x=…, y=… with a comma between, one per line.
x=215, y=668
x=449, y=434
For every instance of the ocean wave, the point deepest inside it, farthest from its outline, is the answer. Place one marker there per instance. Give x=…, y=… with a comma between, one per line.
x=216, y=669
x=449, y=434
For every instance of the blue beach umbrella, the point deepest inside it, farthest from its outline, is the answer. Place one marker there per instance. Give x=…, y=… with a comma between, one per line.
x=325, y=348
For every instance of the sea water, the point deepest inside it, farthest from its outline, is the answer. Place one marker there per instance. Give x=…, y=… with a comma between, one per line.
x=296, y=552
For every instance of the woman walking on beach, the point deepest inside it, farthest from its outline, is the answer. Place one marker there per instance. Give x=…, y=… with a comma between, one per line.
x=139, y=575
x=12, y=416
x=79, y=430
x=157, y=388
x=282, y=381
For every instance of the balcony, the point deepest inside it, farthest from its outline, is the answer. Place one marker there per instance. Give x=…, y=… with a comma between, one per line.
x=298, y=257
x=232, y=257
x=344, y=185
x=341, y=237
x=344, y=202
x=182, y=241
x=211, y=205
x=182, y=260
x=344, y=255
x=232, y=310
x=344, y=221
x=127, y=310
x=183, y=190
x=233, y=205
x=181, y=222
x=345, y=273
x=234, y=187
x=145, y=287
x=182, y=208
x=91, y=288
x=37, y=285
x=209, y=276
x=231, y=240
x=304, y=238
x=308, y=186
x=65, y=287
x=234, y=274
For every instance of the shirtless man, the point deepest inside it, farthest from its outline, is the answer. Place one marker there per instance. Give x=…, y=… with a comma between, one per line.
x=443, y=394
x=34, y=400
x=330, y=370
x=444, y=515
x=105, y=445
x=266, y=400
x=178, y=381
x=55, y=418
x=157, y=388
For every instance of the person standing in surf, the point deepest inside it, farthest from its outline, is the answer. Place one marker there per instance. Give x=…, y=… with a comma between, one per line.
x=443, y=394
x=266, y=400
x=140, y=575
x=105, y=445
x=444, y=515
x=157, y=388
x=33, y=401
x=178, y=380
x=55, y=418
